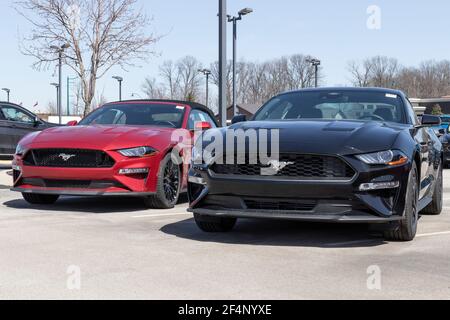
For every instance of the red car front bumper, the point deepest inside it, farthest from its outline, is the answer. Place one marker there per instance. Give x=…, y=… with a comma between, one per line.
x=89, y=181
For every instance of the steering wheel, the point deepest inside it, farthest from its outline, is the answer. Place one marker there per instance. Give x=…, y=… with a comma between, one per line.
x=165, y=123
x=373, y=117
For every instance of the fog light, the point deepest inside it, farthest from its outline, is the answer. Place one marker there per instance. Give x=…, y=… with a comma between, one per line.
x=379, y=186
x=134, y=171
x=197, y=180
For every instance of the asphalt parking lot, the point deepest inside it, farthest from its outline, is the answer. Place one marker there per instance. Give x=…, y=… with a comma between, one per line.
x=116, y=249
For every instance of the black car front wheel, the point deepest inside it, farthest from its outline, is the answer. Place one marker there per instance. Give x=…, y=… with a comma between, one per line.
x=214, y=224
x=169, y=185
x=40, y=198
x=407, y=229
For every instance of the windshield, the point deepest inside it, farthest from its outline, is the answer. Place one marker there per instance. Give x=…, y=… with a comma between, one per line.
x=334, y=105
x=160, y=115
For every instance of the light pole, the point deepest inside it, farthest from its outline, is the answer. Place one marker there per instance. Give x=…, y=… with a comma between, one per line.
x=69, y=83
x=7, y=93
x=119, y=79
x=58, y=96
x=60, y=51
x=315, y=63
x=207, y=73
x=223, y=62
x=234, y=20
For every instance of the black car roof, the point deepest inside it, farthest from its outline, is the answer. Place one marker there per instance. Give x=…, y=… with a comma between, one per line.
x=193, y=105
x=362, y=89
x=16, y=106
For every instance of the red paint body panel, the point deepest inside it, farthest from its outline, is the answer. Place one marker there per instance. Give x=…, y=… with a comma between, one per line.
x=108, y=139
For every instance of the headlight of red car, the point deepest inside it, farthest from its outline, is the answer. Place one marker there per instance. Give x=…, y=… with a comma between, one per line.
x=138, y=152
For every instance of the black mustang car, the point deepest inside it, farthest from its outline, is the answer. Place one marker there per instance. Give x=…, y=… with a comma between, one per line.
x=347, y=155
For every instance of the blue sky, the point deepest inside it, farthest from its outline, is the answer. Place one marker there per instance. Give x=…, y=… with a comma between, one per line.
x=334, y=31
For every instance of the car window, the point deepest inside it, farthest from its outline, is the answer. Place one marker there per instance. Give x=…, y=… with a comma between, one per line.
x=411, y=113
x=151, y=114
x=199, y=116
x=334, y=105
x=17, y=115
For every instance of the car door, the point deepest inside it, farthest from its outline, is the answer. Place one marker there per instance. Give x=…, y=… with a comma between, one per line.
x=5, y=138
x=17, y=123
x=427, y=156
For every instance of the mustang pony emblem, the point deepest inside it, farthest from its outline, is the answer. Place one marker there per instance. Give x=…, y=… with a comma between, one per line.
x=66, y=157
x=275, y=167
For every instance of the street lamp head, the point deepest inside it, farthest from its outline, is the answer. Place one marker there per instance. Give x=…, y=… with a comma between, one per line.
x=245, y=11
x=54, y=84
x=204, y=71
x=6, y=90
x=120, y=79
x=314, y=62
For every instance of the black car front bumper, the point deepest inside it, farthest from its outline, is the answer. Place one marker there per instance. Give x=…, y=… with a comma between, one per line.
x=274, y=198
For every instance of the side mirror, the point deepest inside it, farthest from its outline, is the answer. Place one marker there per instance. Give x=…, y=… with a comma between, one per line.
x=441, y=132
x=37, y=121
x=202, y=126
x=72, y=123
x=239, y=119
x=430, y=121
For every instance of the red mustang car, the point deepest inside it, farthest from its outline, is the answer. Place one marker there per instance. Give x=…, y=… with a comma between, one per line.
x=123, y=148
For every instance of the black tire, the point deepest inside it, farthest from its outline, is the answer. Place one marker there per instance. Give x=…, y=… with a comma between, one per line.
x=435, y=207
x=214, y=224
x=40, y=198
x=169, y=185
x=407, y=229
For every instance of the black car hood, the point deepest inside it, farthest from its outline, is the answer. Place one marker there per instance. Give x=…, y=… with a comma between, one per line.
x=331, y=137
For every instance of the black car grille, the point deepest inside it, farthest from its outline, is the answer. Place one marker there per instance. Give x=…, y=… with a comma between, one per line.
x=68, y=158
x=281, y=205
x=307, y=167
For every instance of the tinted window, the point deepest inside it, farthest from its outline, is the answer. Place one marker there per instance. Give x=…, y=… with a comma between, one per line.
x=17, y=115
x=169, y=116
x=334, y=105
x=199, y=116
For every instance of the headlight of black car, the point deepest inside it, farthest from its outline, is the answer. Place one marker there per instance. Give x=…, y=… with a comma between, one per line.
x=389, y=157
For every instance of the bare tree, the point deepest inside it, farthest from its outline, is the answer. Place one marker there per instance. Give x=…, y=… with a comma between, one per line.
x=101, y=34
x=189, y=76
x=229, y=75
x=301, y=72
x=377, y=71
x=361, y=74
x=153, y=90
x=169, y=74
x=51, y=108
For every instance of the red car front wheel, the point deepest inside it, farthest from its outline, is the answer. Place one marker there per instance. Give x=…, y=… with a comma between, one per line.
x=168, y=188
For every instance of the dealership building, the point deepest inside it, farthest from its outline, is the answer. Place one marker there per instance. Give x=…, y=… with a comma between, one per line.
x=426, y=105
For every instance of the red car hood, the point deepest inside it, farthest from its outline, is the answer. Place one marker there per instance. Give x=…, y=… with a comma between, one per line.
x=100, y=137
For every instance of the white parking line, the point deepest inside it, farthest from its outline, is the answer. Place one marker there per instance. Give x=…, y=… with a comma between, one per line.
x=162, y=215
x=348, y=243
x=433, y=234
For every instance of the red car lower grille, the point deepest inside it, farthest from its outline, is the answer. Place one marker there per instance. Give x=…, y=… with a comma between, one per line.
x=71, y=184
x=68, y=158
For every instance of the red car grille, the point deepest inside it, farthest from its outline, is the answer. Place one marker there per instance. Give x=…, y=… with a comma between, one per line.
x=68, y=158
